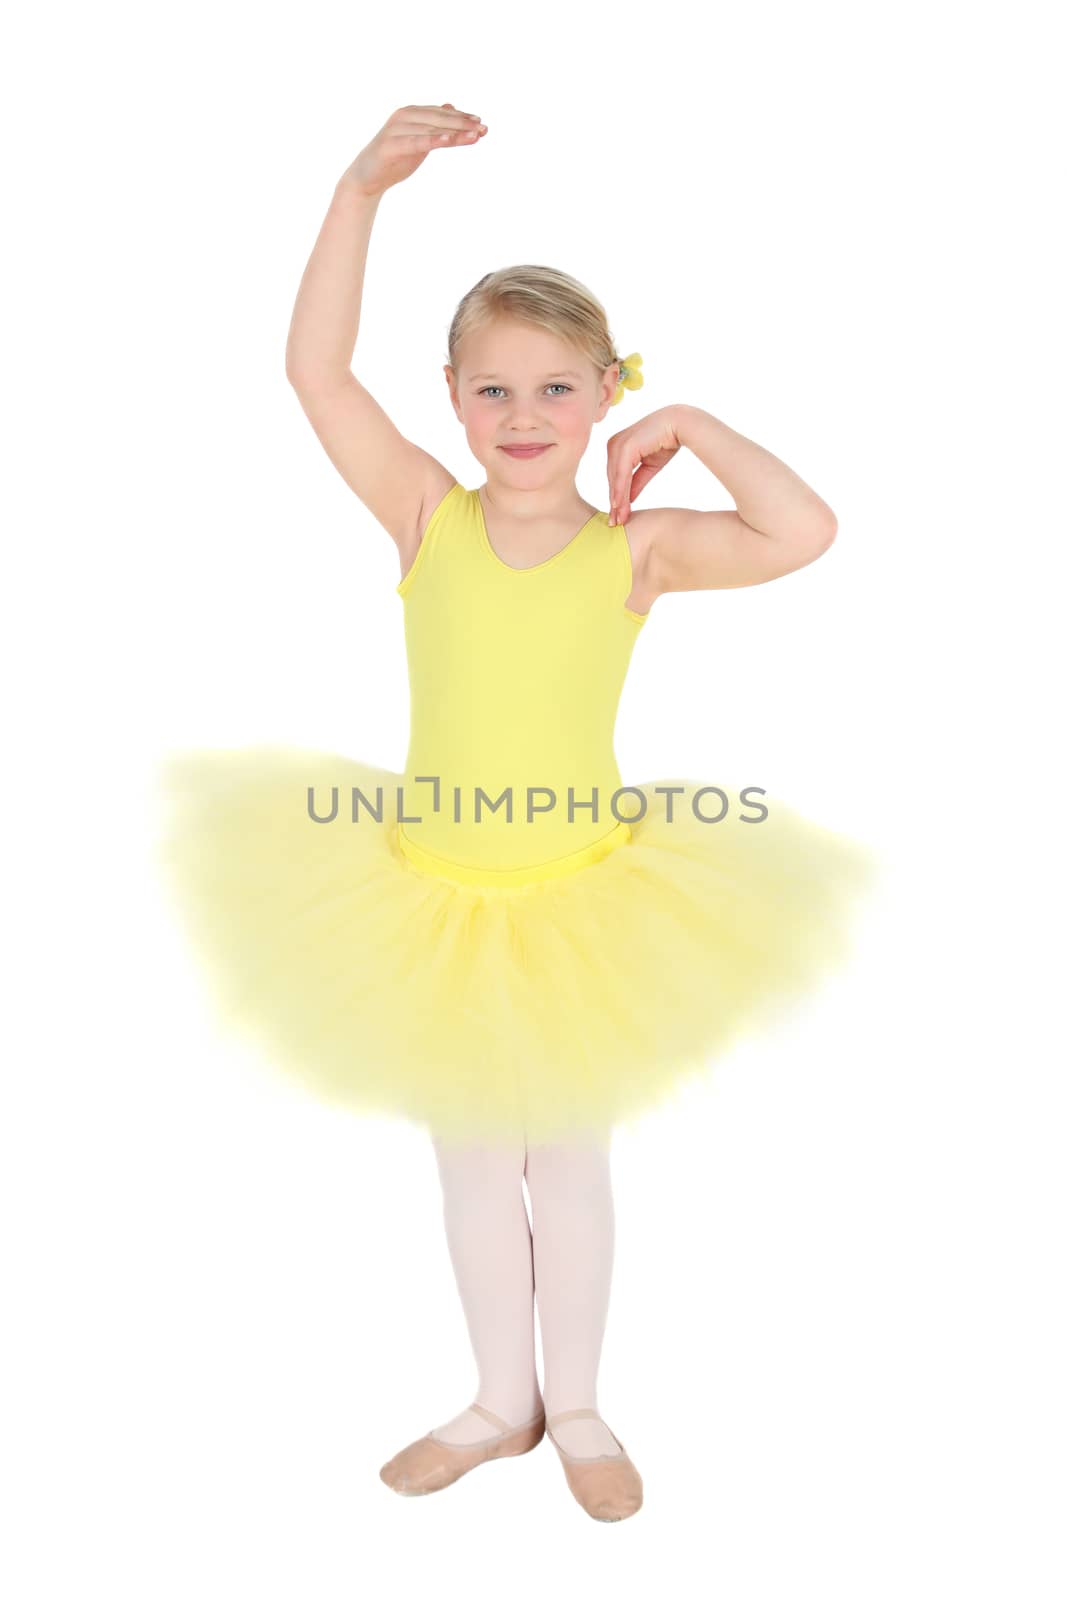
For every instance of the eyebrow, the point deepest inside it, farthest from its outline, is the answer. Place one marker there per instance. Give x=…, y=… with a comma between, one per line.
x=478, y=376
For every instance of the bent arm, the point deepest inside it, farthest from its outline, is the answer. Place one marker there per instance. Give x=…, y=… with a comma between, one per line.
x=780, y=524
x=768, y=495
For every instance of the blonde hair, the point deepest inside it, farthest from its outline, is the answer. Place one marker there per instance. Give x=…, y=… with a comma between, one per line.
x=542, y=297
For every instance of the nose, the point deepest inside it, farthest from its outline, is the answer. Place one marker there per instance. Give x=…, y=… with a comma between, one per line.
x=522, y=417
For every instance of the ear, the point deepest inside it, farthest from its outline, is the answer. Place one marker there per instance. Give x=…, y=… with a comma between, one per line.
x=450, y=379
x=608, y=385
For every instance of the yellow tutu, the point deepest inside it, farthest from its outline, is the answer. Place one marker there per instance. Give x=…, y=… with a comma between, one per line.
x=478, y=1011
x=500, y=976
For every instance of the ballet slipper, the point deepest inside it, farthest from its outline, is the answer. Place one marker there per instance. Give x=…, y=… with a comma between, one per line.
x=609, y=1488
x=430, y=1464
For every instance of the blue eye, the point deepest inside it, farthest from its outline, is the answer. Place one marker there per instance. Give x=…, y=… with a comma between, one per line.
x=565, y=386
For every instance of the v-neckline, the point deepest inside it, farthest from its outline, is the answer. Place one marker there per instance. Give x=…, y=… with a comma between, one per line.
x=539, y=565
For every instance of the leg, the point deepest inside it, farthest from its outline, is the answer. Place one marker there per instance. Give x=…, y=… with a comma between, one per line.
x=574, y=1247
x=489, y=1242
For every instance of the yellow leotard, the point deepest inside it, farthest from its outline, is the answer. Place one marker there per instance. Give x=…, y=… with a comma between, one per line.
x=515, y=677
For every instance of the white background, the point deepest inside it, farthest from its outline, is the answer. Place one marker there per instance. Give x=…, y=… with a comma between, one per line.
x=838, y=1287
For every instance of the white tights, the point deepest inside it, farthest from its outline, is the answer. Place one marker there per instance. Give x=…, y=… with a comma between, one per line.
x=498, y=1262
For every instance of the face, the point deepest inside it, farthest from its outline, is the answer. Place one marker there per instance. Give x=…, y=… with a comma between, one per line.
x=518, y=385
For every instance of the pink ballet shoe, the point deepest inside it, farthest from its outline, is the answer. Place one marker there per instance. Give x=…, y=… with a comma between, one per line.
x=609, y=1488
x=430, y=1464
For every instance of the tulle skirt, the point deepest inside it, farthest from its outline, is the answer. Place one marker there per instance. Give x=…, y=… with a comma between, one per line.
x=534, y=1011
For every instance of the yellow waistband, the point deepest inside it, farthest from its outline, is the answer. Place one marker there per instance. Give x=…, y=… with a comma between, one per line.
x=508, y=877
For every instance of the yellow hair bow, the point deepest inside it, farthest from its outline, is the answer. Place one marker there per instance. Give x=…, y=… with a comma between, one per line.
x=630, y=376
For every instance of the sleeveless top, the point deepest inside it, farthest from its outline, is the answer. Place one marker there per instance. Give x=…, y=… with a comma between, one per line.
x=515, y=676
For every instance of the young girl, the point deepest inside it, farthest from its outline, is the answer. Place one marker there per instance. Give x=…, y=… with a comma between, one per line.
x=503, y=943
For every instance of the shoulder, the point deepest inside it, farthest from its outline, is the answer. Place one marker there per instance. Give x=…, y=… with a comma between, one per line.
x=439, y=489
x=439, y=485
x=639, y=534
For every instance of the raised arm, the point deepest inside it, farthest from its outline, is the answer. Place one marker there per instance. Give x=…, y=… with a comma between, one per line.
x=393, y=477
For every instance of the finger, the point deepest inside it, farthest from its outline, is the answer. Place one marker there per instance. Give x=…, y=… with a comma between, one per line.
x=643, y=475
x=440, y=114
x=430, y=136
x=629, y=493
x=620, y=487
x=438, y=129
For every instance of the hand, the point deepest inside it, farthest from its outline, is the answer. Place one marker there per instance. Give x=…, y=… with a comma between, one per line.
x=647, y=445
x=400, y=147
